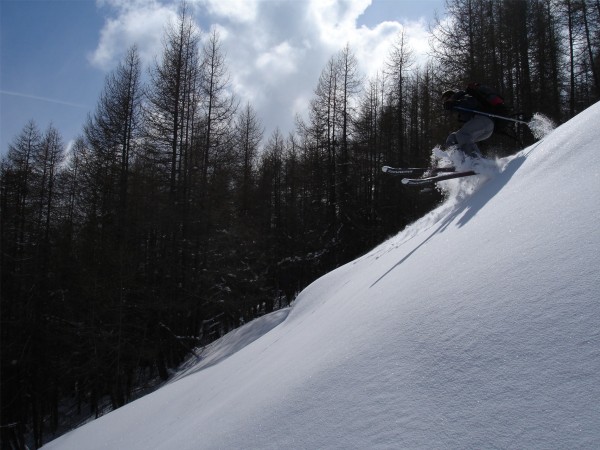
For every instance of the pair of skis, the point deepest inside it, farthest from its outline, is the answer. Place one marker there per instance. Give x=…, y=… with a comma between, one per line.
x=414, y=176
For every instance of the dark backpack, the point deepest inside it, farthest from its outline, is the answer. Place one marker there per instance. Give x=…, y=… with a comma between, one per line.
x=491, y=101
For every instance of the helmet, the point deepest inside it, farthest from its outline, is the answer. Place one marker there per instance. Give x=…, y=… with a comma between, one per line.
x=447, y=94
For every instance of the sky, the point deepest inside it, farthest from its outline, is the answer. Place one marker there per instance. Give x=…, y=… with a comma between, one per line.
x=56, y=54
x=476, y=327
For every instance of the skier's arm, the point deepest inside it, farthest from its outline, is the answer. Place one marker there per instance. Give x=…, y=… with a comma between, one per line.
x=455, y=100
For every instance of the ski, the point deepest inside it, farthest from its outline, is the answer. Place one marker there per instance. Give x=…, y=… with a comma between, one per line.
x=415, y=171
x=429, y=181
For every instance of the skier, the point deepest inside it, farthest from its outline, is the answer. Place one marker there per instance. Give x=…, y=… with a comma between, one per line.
x=476, y=127
x=482, y=111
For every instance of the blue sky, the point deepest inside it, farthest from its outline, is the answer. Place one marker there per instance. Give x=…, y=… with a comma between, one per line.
x=55, y=54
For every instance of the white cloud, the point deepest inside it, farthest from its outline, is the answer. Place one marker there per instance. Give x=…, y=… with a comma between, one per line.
x=418, y=39
x=139, y=22
x=234, y=10
x=280, y=59
x=336, y=19
x=275, y=49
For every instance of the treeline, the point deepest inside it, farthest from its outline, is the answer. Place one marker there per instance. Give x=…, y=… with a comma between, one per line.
x=173, y=219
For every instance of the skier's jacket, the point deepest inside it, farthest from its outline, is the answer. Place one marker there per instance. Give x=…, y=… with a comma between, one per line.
x=479, y=97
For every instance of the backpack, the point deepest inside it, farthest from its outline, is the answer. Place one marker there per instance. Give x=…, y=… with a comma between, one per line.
x=488, y=97
x=490, y=101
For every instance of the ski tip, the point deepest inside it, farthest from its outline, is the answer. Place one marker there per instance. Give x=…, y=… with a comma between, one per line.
x=385, y=168
x=405, y=180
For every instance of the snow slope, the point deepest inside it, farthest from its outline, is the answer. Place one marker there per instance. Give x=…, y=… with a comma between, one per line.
x=476, y=327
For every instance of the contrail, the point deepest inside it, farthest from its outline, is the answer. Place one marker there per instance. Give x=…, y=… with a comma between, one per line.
x=43, y=99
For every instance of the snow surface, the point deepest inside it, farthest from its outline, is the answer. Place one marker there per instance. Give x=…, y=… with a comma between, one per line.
x=476, y=327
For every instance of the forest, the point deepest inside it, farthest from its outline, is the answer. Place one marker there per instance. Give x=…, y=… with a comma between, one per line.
x=173, y=219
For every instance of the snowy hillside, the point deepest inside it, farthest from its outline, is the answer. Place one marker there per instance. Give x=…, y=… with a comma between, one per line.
x=477, y=327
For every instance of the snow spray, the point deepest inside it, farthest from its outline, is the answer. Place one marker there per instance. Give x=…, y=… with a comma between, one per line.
x=540, y=125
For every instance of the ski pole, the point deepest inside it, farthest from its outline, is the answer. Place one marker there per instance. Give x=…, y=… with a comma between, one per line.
x=460, y=108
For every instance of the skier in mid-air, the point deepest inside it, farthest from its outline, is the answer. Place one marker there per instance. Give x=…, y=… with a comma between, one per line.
x=482, y=111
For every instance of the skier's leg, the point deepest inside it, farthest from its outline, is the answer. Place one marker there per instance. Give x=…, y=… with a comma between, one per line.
x=477, y=129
